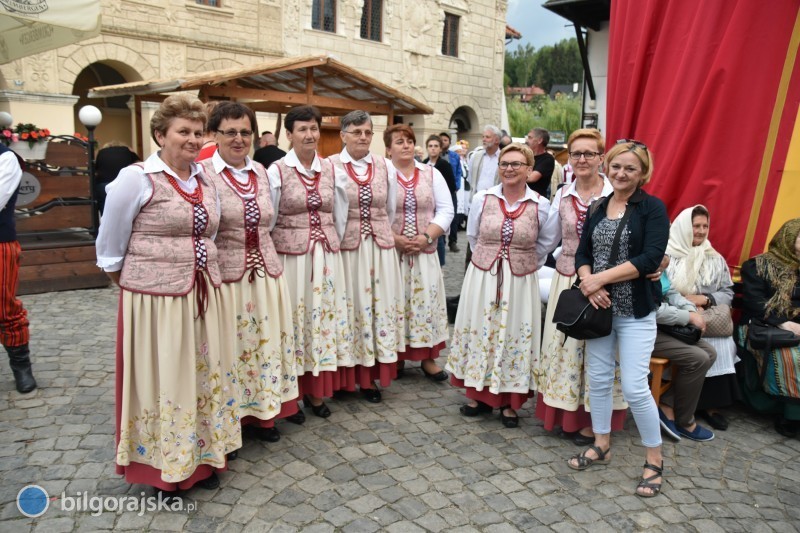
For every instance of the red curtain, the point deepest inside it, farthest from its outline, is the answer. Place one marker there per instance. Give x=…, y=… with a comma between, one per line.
x=698, y=83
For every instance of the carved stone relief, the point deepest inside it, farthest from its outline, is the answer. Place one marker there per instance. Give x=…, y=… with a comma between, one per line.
x=173, y=59
x=39, y=75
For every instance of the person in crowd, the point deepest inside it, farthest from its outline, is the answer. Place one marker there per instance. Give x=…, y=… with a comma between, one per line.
x=419, y=153
x=560, y=370
x=255, y=312
x=424, y=210
x=497, y=330
x=505, y=139
x=455, y=162
x=156, y=242
x=372, y=276
x=112, y=157
x=544, y=165
x=14, y=331
x=640, y=224
x=701, y=275
x=268, y=151
x=690, y=362
x=463, y=194
x=771, y=293
x=434, y=146
x=209, y=137
x=311, y=209
x=483, y=165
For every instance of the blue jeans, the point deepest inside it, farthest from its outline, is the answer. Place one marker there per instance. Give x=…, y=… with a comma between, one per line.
x=440, y=249
x=634, y=338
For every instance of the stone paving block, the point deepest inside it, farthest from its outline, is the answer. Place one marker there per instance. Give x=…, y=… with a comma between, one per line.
x=132, y=521
x=243, y=514
x=55, y=525
x=340, y=516
x=350, y=490
x=340, y=474
x=301, y=514
x=366, y=504
x=169, y=521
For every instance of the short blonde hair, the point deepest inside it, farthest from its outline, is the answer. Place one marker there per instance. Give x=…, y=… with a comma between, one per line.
x=176, y=106
x=587, y=133
x=521, y=148
x=641, y=152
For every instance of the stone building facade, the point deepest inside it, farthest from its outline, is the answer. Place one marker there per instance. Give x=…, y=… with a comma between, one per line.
x=153, y=39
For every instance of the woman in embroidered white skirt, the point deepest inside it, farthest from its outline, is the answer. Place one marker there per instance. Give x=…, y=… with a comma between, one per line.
x=311, y=212
x=374, y=282
x=424, y=210
x=177, y=415
x=497, y=332
x=255, y=309
x=560, y=371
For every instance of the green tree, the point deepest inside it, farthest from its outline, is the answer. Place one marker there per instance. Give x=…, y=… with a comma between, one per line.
x=563, y=114
x=552, y=64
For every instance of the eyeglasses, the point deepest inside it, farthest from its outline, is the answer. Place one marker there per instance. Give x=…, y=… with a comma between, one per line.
x=588, y=156
x=516, y=165
x=231, y=134
x=361, y=133
x=638, y=144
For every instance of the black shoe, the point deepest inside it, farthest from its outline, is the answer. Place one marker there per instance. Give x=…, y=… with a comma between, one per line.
x=232, y=456
x=454, y=248
x=438, y=376
x=209, y=483
x=298, y=418
x=469, y=410
x=19, y=358
x=401, y=369
x=372, y=395
x=321, y=410
x=170, y=496
x=715, y=420
x=508, y=421
x=582, y=440
x=267, y=434
x=787, y=428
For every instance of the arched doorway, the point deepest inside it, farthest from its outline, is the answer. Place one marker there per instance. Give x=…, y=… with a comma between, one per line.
x=464, y=125
x=116, y=124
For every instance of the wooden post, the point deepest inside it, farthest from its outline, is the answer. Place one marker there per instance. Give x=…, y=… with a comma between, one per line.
x=137, y=116
x=309, y=84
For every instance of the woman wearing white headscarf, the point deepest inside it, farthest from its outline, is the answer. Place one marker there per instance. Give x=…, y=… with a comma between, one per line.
x=701, y=275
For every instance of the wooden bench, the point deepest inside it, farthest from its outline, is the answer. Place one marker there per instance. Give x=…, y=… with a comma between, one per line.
x=658, y=385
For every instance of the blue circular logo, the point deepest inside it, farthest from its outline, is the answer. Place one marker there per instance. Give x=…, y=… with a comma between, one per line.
x=32, y=501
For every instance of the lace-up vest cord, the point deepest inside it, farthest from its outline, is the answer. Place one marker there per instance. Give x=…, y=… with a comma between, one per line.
x=573, y=216
x=415, y=205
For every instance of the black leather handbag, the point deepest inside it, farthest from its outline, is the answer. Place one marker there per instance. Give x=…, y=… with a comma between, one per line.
x=763, y=336
x=575, y=316
x=689, y=333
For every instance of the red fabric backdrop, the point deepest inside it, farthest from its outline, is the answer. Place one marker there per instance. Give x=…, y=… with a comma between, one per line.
x=697, y=82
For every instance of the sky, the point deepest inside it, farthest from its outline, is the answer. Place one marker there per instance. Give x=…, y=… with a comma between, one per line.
x=537, y=25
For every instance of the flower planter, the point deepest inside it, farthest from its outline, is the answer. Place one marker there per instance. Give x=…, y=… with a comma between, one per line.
x=30, y=153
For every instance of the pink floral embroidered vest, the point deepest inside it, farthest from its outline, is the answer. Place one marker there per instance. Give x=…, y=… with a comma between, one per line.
x=243, y=239
x=570, y=236
x=171, y=241
x=506, y=237
x=366, y=214
x=415, y=206
x=305, y=213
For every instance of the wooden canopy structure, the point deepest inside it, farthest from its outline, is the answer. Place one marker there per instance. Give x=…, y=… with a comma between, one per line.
x=277, y=86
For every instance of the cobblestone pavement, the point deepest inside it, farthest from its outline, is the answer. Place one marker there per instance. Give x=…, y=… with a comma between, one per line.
x=411, y=463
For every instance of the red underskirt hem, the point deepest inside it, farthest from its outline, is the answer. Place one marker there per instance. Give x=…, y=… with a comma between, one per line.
x=148, y=475
x=421, y=354
x=287, y=409
x=571, y=421
x=346, y=379
x=514, y=399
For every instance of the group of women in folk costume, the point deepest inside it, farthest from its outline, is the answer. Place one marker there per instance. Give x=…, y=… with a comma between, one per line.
x=243, y=288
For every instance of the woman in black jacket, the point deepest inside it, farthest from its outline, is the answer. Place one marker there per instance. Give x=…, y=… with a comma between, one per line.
x=640, y=223
x=771, y=290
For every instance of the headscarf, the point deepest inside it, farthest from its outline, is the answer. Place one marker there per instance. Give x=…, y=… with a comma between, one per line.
x=779, y=266
x=691, y=266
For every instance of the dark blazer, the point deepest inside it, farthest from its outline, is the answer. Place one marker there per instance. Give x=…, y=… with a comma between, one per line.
x=268, y=155
x=649, y=233
x=444, y=166
x=756, y=292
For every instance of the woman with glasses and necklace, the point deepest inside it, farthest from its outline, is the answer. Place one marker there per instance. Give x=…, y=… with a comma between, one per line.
x=636, y=224
x=424, y=210
x=497, y=332
x=311, y=207
x=560, y=369
x=255, y=313
x=176, y=406
x=373, y=278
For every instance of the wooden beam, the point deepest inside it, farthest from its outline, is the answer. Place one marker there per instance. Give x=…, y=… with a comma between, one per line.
x=344, y=104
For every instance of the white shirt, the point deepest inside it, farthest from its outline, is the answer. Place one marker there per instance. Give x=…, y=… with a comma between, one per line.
x=10, y=177
x=488, y=170
x=476, y=210
x=443, y=204
x=125, y=198
x=552, y=228
x=241, y=175
x=360, y=168
x=340, y=201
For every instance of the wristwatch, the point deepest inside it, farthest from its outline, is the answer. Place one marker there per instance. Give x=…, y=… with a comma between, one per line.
x=428, y=238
